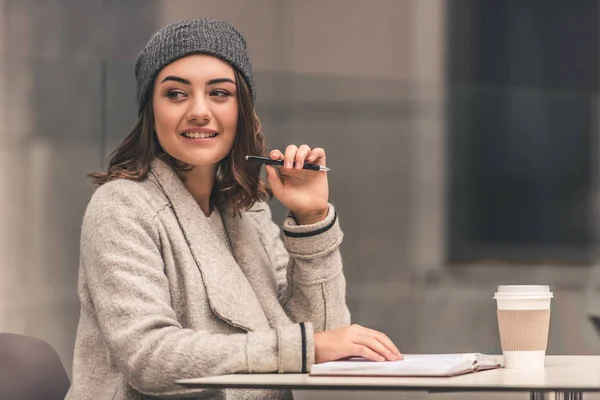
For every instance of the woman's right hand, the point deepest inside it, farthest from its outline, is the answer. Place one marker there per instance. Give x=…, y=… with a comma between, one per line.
x=354, y=340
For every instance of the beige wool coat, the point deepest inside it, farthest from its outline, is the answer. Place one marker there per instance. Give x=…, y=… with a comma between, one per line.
x=164, y=296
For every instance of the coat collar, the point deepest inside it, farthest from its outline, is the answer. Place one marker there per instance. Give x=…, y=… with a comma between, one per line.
x=228, y=281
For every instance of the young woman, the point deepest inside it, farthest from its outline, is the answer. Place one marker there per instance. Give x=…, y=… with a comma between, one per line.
x=183, y=273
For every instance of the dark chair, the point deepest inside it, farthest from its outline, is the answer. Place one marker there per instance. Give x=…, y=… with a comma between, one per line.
x=30, y=370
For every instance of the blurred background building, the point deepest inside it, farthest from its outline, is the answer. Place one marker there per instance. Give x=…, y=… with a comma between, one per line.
x=462, y=137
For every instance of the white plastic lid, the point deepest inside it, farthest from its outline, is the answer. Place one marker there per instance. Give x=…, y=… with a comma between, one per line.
x=524, y=289
x=532, y=296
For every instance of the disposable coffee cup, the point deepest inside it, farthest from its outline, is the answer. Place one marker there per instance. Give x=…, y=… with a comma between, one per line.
x=524, y=321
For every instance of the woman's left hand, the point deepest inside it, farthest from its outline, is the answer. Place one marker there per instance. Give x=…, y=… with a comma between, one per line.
x=304, y=192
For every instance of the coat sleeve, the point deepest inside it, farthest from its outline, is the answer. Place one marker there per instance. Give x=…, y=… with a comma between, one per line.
x=122, y=270
x=308, y=266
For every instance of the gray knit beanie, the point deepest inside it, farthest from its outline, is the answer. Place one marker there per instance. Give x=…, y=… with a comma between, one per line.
x=182, y=38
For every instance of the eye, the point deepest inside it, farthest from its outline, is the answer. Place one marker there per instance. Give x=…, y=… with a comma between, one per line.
x=175, y=94
x=220, y=93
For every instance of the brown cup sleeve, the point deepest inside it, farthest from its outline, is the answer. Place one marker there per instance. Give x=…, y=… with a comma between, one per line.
x=524, y=330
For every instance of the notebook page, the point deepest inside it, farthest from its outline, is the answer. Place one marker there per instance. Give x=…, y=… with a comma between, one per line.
x=413, y=364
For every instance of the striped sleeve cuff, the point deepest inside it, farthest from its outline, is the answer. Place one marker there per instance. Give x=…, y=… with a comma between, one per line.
x=315, y=240
x=296, y=347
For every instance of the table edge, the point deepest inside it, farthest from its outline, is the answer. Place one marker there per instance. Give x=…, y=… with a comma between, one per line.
x=390, y=388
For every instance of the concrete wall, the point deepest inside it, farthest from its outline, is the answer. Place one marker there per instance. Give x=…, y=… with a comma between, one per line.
x=54, y=57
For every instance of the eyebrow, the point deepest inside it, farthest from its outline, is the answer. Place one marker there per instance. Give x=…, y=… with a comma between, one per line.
x=187, y=82
x=176, y=79
x=220, y=80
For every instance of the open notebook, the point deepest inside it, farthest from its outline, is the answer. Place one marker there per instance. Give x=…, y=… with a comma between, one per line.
x=412, y=365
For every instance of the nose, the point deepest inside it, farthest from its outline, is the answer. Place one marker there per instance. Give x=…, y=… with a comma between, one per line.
x=199, y=110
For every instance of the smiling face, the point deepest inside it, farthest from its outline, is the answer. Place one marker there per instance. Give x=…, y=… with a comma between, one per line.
x=196, y=110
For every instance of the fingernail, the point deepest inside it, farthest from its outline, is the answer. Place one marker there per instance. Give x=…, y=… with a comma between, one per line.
x=298, y=165
x=288, y=164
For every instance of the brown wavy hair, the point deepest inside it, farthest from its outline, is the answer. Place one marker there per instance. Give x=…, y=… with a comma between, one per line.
x=238, y=183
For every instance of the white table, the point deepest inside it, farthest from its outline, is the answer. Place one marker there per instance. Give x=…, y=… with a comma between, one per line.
x=565, y=377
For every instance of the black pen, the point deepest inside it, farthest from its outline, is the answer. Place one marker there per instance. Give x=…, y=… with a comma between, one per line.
x=267, y=160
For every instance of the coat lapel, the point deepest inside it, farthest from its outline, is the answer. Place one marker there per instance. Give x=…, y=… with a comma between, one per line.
x=229, y=292
x=252, y=258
